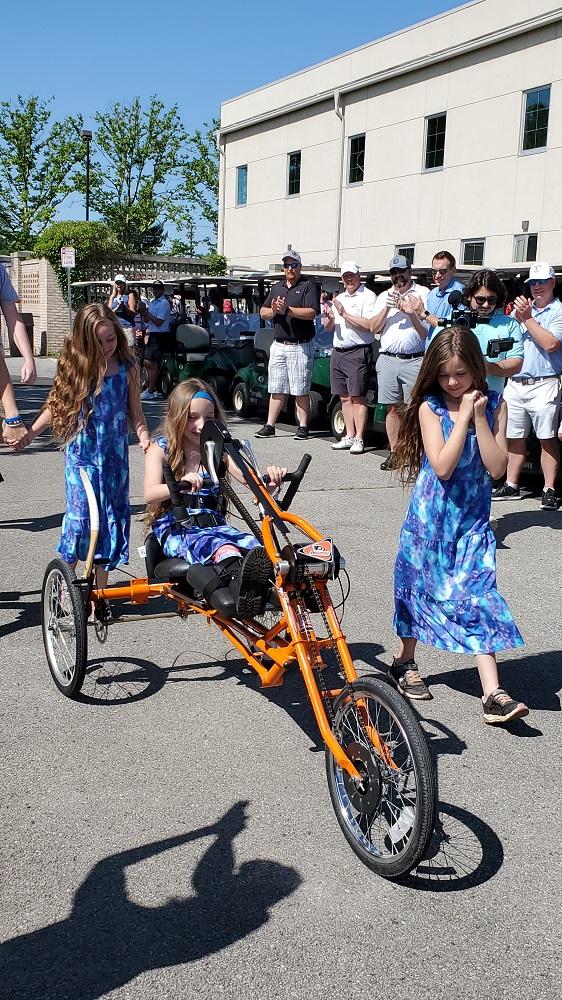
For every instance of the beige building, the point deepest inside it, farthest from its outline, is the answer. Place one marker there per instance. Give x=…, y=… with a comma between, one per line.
x=445, y=135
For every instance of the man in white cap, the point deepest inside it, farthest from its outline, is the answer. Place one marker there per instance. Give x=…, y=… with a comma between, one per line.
x=293, y=304
x=533, y=395
x=398, y=321
x=352, y=354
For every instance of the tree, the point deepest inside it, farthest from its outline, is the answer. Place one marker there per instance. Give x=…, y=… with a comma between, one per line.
x=200, y=171
x=135, y=188
x=94, y=244
x=37, y=161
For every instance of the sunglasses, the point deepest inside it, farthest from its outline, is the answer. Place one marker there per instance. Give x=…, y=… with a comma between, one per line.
x=439, y=270
x=291, y=265
x=539, y=281
x=483, y=300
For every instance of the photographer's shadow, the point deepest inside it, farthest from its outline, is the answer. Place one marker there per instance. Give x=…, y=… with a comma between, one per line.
x=108, y=939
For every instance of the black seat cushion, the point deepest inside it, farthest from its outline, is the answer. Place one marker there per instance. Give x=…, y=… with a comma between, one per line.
x=158, y=567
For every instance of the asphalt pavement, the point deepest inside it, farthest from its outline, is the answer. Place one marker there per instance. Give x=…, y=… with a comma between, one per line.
x=170, y=834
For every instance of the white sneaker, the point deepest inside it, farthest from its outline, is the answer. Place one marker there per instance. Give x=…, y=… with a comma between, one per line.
x=357, y=447
x=346, y=442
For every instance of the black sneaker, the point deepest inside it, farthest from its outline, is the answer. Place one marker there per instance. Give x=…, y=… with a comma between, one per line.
x=267, y=431
x=301, y=433
x=389, y=463
x=252, y=584
x=549, y=500
x=506, y=492
x=500, y=708
x=405, y=676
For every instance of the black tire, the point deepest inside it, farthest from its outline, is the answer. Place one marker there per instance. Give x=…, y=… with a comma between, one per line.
x=63, y=623
x=220, y=386
x=337, y=421
x=166, y=383
x=241, y=400
x=389, y=819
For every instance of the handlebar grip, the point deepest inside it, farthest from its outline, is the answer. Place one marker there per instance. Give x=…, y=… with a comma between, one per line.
x=178, y=504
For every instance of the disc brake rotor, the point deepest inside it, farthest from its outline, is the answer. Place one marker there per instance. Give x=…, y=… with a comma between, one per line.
x=364, y=796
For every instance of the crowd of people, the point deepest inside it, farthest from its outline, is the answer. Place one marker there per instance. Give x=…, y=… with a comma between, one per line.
x=457, y=419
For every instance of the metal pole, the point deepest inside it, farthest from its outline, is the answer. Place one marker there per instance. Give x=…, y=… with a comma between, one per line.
x=88, y=180
x=69, y=296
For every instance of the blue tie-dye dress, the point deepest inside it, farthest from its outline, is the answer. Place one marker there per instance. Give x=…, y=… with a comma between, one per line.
x=445, y=573
x=102, y=449
x=198, y=545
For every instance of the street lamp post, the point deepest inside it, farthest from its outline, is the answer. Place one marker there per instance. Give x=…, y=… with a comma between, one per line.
x=87, y=137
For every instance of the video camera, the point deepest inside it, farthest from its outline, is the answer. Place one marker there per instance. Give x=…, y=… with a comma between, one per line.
x=461, y=314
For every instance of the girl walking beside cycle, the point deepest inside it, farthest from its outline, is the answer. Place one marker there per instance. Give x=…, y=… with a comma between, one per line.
x=452, y=444
x=236, y=559
x=96, y=390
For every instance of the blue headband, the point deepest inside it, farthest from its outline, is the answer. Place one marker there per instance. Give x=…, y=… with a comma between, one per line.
x=201, y=394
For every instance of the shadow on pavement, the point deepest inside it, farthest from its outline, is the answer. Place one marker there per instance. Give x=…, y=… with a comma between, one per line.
x=536, y=679
x=520, y=520
x=108, y=939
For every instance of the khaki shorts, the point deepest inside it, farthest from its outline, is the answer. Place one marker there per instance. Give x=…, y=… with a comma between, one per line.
x=535, y=406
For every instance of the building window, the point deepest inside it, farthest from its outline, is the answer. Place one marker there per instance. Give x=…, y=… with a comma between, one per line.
x=294, y=173
x=435, y=141
x=356, y=159
x=536, y=104
x=472, y=252
x=525, y=247
x=242, y=184
x=407, y=251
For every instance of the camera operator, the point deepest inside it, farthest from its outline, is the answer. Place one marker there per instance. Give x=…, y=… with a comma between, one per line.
x=485, y=297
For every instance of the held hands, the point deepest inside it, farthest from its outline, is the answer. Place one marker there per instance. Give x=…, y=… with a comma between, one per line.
x=15, y=437
x=473, y=405
x=522, y=308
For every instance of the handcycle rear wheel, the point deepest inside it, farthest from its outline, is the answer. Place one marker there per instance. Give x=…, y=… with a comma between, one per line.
x=388, y=819
x=63, y=623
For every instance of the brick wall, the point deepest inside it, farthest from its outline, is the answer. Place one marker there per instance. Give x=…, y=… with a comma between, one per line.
x=40, y=300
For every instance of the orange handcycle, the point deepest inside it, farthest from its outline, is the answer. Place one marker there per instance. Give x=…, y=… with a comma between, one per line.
x=380, y=773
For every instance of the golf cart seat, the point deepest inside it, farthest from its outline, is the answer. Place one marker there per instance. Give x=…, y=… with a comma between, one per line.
x=262, y=344
x=242, y=353
x=193, y=343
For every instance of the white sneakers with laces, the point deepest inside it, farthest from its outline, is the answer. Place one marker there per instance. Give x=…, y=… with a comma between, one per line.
x=357, y=447
x=345, y=443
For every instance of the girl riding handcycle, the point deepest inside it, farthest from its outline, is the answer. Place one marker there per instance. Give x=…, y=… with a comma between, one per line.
x=379, y=770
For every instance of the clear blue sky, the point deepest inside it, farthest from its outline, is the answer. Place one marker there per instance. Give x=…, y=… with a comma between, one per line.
x=188, y=52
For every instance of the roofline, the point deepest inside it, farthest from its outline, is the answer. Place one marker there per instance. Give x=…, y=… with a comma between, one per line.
x=444, y=55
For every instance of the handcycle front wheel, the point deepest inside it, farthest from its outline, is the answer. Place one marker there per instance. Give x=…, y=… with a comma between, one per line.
x=63, y=623
x=387, y=818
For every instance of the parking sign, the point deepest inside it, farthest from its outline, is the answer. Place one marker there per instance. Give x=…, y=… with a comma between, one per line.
x=68, y=257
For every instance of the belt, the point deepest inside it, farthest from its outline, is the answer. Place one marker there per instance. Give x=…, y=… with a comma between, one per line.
x=533, y=381
x=407, y=357
x=355, y=347
x=293, y=343
x=194, y=521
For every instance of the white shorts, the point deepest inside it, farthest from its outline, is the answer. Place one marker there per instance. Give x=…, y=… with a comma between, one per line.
x=533, y=406
x=290, y=368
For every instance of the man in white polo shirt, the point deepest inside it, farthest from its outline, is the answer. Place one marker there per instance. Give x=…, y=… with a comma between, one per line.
x=352, y=354
x=533, y=394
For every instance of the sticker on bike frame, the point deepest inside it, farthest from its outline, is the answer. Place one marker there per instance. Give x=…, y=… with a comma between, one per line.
x=323, y=550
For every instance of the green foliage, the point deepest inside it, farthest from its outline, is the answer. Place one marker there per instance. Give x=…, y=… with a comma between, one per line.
x=94, y=244
x=37, y=161
x=135, y=187
x=215, y=263
x=200, y=171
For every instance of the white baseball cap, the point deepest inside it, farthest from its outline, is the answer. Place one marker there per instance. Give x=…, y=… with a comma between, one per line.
x=400, y=262
x=540, y=271
x=120, y=277
x=350, y=267
x=292, y=255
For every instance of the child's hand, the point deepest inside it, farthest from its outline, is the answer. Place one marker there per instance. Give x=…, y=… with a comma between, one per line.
x=192, y=481
x=144, y=442
x=480, y=407
x=466, y=409
x=275, y=474
x=12, y=436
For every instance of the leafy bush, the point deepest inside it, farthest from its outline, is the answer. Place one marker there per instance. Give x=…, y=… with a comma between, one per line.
x=215, y=263
x=93, y=242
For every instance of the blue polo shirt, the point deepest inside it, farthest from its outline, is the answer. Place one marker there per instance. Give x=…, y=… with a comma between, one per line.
x=536, y=361
x=499, y=328
x=438, y=302
x=160, y=308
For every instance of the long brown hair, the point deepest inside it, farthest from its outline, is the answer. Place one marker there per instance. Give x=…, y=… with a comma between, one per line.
x=80, y=371
x=173, y=429
x=455, y=342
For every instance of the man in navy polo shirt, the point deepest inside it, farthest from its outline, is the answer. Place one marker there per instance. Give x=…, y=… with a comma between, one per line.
x=443, y=270
x=293, y=304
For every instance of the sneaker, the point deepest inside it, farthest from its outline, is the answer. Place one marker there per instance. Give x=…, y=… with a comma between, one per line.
x=500, y=707
x=389, y=463
x=357, y=448
x=251, y=586
x=506, y=492
x=267, y=431
x=405, y=676
x=147, y=394
x=549, y=500
x=346, y=442
x=301, y=434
